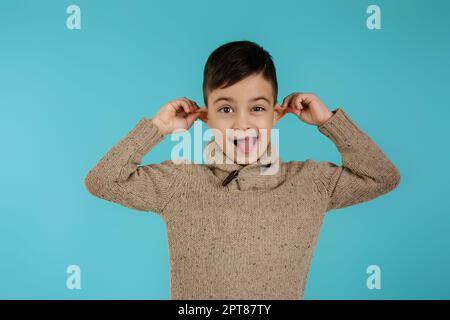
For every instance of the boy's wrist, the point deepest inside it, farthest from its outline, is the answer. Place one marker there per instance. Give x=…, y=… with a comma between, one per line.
x=159, y=125
x=327, y=117
x=340, y=128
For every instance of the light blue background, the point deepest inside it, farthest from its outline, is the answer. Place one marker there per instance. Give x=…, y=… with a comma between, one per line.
x=67, y=96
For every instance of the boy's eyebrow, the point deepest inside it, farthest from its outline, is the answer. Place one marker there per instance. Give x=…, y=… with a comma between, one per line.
x=232, y=100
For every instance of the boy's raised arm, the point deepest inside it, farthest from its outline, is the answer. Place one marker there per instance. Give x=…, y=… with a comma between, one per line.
x=118, y=176
x=365, y=172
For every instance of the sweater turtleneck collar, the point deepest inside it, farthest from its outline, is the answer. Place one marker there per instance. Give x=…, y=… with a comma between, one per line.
x=266, y=173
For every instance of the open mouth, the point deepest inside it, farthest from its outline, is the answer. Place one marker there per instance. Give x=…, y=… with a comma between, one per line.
x=245, y=145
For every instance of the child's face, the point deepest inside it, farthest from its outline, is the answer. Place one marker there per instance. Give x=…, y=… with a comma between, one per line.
x=235, y=114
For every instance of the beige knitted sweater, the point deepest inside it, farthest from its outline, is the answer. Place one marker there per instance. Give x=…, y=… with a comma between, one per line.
x=254, y=237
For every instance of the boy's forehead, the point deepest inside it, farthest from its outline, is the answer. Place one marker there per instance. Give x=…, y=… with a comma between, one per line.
x=247, y=89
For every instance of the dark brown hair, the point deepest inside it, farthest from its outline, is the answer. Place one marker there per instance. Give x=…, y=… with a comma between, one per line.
x=234, y=61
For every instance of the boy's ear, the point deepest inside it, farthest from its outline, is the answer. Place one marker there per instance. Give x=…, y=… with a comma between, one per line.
x=278, y=113
x=203, y=116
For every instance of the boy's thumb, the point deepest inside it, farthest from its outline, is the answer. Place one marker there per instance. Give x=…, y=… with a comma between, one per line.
x=191, y=117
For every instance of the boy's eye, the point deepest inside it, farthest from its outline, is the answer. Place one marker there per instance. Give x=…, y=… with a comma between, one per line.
x=260, y=108
x=225, y=108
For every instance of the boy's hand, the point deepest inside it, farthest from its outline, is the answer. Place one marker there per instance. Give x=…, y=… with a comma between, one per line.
x=178, y=114
x=307, y=107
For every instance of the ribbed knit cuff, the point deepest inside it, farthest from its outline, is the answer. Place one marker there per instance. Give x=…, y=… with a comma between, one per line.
x=340, y=129
x=146, y=134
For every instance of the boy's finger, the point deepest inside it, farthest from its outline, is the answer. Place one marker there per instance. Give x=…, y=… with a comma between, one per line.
x=190, y=102
x=192, y=117
x=283, y=110
x=288, y=109
x=184, y=104
x=306, y=98
x=202, y=113
x=196, y=107
x=287, y=100
x=194, y=104
x=298, y=102
x=201, y=110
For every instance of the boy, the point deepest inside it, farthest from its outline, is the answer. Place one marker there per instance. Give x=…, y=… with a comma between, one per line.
x=234, y=232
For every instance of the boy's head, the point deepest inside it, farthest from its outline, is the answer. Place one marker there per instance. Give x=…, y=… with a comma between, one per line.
x=240, y=92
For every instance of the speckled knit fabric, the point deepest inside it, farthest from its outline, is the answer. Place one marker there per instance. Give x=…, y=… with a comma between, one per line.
x=253, y=238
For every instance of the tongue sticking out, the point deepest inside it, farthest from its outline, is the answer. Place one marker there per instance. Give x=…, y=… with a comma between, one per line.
x=246, y=145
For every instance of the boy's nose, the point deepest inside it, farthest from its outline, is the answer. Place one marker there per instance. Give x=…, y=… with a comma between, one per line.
x=242, y=122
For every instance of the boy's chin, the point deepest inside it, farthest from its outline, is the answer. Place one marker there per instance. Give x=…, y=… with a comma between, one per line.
x=241, y=159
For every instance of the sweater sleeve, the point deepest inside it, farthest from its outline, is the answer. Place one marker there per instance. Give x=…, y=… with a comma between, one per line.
x=118, y=177
x=365, y=173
